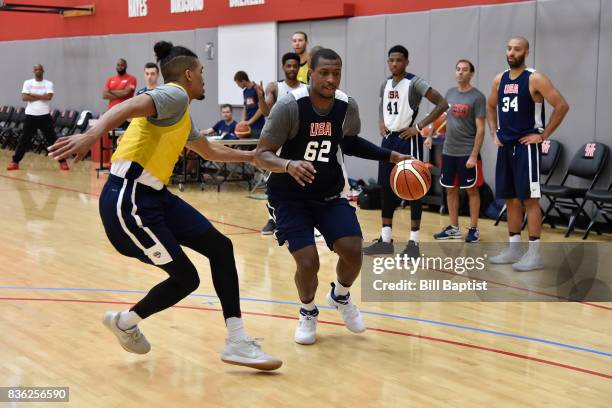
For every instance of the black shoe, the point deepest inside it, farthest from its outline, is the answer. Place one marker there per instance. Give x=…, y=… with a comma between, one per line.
x=379, y=248
x=412, y=250
x=269, y=228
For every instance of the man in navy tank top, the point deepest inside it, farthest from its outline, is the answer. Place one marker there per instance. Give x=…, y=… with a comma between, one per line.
x=515, y=113
x=312, y=127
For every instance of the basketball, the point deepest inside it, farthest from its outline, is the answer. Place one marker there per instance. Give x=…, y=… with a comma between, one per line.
x=243, y=131
x=410, y=179
x=439, y=125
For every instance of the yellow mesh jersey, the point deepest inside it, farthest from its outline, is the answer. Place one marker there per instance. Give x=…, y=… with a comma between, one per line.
x=155, y=148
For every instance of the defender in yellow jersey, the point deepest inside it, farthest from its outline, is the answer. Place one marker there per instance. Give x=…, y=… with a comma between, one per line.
x=143, y=220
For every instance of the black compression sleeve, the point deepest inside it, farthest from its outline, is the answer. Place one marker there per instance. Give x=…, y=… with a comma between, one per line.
x=360, y=147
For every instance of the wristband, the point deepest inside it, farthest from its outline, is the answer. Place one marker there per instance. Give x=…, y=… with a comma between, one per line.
x=287, y=166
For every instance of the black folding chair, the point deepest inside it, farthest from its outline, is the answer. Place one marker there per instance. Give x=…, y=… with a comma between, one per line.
x=14, y=128
x=603, y=205
x=6, y=112
x=551, y=153
x=587, y=164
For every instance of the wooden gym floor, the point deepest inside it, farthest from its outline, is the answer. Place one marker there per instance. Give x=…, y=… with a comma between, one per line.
x=58, y=274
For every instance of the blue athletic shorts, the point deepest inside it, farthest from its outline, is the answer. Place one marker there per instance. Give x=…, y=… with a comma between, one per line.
x=148, y=224
x=296, y=221
x=455, y=174
x=517, y=173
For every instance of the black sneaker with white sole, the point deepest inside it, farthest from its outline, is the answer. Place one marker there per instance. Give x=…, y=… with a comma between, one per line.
x=379, y=247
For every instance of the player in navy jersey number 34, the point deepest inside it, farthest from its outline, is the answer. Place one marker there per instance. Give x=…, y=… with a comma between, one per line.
x=313, y=126
x=515, y=113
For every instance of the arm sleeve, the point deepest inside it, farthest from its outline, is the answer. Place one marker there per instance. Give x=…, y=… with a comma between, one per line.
x=282, y=123
x=480, y=106
x=352, y=122
x=170, y=102
x=194, y=134
x=360, y=147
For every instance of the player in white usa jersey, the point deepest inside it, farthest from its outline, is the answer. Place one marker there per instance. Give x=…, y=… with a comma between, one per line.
x=401, y=95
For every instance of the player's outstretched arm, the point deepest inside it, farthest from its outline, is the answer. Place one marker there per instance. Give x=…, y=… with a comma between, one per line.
x=360, y=147
x=78, y=145
x=219, y=153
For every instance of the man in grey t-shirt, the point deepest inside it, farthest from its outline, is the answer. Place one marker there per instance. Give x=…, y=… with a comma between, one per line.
x=461, y=163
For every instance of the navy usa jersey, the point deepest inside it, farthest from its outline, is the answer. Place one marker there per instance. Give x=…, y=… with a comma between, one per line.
x=317, y=141
x=517, y=112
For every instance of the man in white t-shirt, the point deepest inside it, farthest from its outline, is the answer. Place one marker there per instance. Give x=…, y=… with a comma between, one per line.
x=37, y=92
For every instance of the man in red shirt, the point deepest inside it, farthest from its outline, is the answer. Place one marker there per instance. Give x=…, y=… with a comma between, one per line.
x=120, y=87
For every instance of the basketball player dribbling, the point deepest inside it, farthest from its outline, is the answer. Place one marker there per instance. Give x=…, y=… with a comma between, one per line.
x=401, y=95
x=143, y=220
x=314, y=126
x=515, y=113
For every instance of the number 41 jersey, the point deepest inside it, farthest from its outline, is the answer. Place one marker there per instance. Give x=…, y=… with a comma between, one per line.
x=518, y=113
x=317, y=141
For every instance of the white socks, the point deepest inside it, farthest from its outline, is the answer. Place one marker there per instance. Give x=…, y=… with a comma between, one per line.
x=534, y=246
x=340, y=290
x=414, y=236
x=385, y=234
x=515, y=238
x=309, y=306
x=235, y=329
x=127, y=320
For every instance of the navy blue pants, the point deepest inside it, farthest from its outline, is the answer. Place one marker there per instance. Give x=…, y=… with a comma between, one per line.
x=152, y=225
x=296, y=221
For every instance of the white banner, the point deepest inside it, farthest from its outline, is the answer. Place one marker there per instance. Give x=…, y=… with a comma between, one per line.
x=245, y=3
x=186, y=6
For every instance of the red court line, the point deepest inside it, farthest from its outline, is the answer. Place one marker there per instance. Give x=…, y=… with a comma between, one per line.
x=256, y=230
x=387, y=331
x=97, y=195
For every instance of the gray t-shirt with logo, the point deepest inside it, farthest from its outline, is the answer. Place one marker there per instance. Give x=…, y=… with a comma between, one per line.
x=465, y=107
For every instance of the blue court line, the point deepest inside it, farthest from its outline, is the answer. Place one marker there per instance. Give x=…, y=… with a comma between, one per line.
x=392, y=316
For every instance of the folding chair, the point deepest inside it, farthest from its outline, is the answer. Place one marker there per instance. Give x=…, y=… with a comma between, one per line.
x=6, y=112
x=551, y=153
x=587, y=164
x=603, y=204
x=13, y=129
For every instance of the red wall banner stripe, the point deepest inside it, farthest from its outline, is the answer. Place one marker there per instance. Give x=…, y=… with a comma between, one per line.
x=111, y=16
